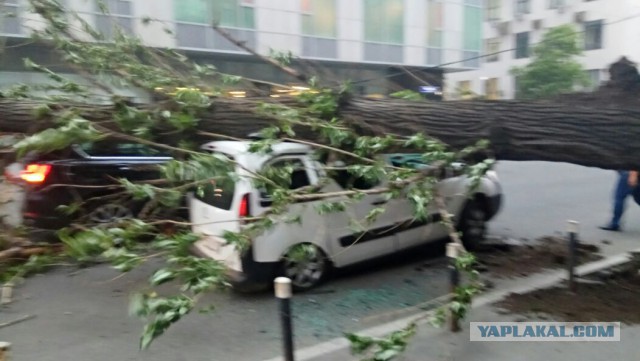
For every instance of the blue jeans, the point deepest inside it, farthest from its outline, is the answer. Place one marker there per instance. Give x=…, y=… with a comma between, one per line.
x=623, y=190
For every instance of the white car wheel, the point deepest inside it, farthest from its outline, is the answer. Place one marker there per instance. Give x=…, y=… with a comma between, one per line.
x=306, y=265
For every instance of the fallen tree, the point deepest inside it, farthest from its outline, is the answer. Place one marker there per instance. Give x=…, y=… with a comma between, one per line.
x=581, y=129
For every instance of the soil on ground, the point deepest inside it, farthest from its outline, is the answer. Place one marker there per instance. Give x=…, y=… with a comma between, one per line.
x=522, y=259
x=606, y=297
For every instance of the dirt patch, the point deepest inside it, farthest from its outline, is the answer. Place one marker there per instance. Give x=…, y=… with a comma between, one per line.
x=610, y=298
x=522, y=259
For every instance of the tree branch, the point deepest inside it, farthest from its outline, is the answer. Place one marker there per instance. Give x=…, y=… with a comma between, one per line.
x=288, y=70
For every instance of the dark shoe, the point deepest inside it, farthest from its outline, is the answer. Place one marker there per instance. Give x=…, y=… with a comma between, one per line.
x=610, y=228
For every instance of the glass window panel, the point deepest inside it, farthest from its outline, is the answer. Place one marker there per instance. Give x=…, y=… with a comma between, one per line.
x=192, y=11
x=307, y=24
x=522, y=45
x=491, y=48
x=319, y=18
x=522, y=6
x=472, y=28
x=246, y=18
x=493, y=9
x=593, y=35
x=123, y=7
x=384, y=21
x=306, y=6
x=434, y=23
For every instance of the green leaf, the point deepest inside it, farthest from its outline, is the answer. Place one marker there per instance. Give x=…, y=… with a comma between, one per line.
x=331, y=207
x=183, y=121
x=162, y=276
x=359, y=344
x=407, y=95
x=374, y=214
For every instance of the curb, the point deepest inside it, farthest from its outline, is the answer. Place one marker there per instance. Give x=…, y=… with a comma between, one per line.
x=530, y=283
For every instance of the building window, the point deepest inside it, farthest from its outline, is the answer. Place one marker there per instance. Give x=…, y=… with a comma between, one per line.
x=491, y=89
x=113, y=16
x=493, y=9
x=10, y=17
x=319, y=18
x=472, y=34
x=594, y=79
x=492, y=47
x=464, y=90
x=384, y=30
x=517, y=87
x=593, y=35
x=522, y=6
x=384, y=21
x=319, y=28
x=435, y=19
x=556, y=4
x=522, y=45
x=194, y=19
x=226, y=13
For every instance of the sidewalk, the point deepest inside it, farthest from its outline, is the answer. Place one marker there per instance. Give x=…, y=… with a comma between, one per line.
x=431, y=344
x=438, y=344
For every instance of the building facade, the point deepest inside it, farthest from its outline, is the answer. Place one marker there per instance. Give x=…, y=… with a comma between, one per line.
x=390, y=43
x=608, y=31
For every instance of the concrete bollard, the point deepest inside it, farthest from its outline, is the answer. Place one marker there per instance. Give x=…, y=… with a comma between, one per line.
x=453, y=251
x=282, y=287
x=4, y=351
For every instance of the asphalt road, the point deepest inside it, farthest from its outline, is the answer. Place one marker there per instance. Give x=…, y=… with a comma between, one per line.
x=82, y=315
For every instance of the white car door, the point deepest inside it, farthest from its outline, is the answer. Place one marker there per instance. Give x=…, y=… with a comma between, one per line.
x=412, y=231
x=273, y=243
x=353, y=238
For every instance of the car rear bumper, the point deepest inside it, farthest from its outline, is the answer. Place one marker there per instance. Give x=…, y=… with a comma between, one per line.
x=243, y=272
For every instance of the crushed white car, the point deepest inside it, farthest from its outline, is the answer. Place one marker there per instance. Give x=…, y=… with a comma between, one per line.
x=306, y=251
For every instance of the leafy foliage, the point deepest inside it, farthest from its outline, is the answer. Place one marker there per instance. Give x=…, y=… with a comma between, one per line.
x=74, y=130
x=553, y=68
x=382, y=349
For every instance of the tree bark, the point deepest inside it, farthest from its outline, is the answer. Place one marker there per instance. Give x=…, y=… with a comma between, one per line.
x=576, y=131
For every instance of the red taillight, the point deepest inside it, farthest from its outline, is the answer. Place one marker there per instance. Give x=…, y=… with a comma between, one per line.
x=35, y=173
x=244, y=206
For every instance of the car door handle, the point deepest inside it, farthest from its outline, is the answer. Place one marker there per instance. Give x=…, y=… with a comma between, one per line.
x=379, y=202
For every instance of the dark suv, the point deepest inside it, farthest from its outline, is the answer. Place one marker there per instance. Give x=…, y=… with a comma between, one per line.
x=86, y=174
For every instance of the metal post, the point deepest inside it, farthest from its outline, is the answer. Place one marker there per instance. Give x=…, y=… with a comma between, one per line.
x=4, y=351
x=572, y=228
x=282, y=286
x=453, y=250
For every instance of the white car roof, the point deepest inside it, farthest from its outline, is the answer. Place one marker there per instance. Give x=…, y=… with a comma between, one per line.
x=232, y=147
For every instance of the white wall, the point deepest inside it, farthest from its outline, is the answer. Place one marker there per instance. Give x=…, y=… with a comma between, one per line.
x=278, y=25
x=350, y=30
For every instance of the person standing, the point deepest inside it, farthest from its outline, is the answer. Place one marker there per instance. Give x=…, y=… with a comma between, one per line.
x=627, y=185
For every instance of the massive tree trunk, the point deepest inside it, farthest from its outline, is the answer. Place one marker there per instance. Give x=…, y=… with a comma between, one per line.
x=578, y=132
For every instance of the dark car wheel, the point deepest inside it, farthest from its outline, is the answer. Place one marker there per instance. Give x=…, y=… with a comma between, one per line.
x=110, y=213
x=473, y=225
